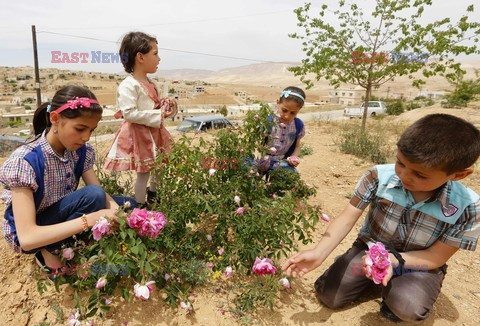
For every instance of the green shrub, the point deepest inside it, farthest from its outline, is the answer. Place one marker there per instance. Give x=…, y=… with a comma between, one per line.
x=305, y=150
x=364, y=145
x=204, y=224
x=395, y=107
x=412, y=106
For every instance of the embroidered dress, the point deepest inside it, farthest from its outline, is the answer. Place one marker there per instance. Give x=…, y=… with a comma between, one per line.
x=282, y=138
x=143, y=134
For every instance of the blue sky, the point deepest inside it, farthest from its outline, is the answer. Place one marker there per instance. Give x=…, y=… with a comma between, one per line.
x=254, y=29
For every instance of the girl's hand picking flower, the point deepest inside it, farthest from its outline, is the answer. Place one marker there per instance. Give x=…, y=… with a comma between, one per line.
x=293, y=161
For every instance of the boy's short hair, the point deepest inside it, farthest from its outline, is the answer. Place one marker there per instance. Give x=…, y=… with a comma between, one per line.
x=441, y=141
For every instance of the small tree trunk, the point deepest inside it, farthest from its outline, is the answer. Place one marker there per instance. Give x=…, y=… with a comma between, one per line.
x=365, y=106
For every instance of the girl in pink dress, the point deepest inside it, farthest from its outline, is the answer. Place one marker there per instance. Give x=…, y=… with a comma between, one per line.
x=143, y=134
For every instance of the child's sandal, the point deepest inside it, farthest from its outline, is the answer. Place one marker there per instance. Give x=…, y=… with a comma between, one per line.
x=51, y=274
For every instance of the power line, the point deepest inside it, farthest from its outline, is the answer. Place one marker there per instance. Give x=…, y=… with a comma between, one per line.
x=165, y=49
x=176, y=23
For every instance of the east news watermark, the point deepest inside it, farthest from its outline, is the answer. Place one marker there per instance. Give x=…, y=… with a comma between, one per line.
x=359, y=57
x=89, y=57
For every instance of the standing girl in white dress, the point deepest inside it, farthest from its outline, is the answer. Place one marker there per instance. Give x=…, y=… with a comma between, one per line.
x=143, y=134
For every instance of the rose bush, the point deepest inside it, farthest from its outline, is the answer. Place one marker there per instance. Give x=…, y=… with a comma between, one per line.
x=213, y=225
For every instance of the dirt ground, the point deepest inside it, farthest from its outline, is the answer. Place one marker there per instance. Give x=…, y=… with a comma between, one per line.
x=335, y=174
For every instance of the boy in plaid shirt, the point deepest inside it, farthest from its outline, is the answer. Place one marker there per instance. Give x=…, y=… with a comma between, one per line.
x=418, y=209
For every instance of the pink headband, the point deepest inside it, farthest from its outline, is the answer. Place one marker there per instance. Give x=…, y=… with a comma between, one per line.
x=75, y=103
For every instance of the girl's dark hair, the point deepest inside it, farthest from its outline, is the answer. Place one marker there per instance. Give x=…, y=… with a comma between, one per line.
x=295, y=90
x=41, y=118
x=133, y=43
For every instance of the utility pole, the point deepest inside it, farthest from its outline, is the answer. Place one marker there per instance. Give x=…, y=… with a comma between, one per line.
x=37, y=73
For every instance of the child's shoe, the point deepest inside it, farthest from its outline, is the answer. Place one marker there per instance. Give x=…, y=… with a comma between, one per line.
x=51, y=273
x=151, y=196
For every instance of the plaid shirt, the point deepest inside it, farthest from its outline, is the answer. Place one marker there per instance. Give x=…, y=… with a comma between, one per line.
x=449, y=216
x=283, y=137
x=59, y=176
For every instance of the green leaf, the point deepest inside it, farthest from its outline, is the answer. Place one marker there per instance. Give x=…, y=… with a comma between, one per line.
x=134, y=250
x=91, y=313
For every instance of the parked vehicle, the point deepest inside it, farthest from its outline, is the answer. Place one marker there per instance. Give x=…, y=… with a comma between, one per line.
x=374, y=108
x=203, y=123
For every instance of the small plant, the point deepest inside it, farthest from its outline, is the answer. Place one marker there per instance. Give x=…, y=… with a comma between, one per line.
x=262, y=292
x=364, y=145
x=58, y=311
x=305, y=150
x=395, y=107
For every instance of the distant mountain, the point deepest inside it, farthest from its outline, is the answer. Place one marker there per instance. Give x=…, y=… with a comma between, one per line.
x=277, y=74
x=185, y=74
x=274, y=73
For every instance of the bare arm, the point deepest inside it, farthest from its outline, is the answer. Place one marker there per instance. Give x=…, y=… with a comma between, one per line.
x=296, y=152
x=308, y=260
x=91, y=179
x=31, y=235
x=433, y=257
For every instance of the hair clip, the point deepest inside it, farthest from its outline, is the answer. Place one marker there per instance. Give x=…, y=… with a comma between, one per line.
x=49, y=108
x=287, y=93
x=77, y=102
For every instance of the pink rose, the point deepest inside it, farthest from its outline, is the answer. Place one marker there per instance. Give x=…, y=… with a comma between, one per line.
x=73, y=320
x=263, y=266
x=325, y=217
x=136, y=218
x=285, y=283
x=256, y=117
x=377, y=262
x=148, y=223
x=228, y=271
x=142, y=292
x=240, y=210
x=209, y=265
x=236, y=199
x=68, y=253
x=221, y=251
x=101, y=283
x=186, y=305
x=101, y=228
x=209, y=237
x=167, y=276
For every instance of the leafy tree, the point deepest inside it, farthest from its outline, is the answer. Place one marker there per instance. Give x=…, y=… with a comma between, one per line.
x=464, y=91
x=224, y=111
x=356, y=48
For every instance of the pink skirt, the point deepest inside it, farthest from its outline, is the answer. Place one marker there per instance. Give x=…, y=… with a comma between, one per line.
x=135, y=147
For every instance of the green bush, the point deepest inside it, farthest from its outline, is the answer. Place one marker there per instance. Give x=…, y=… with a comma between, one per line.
x=205, y=227
x=464, y=92
x=14, y=124
x=364, y=145
x=305, y=150
x=395, y=107
x=412, y=105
